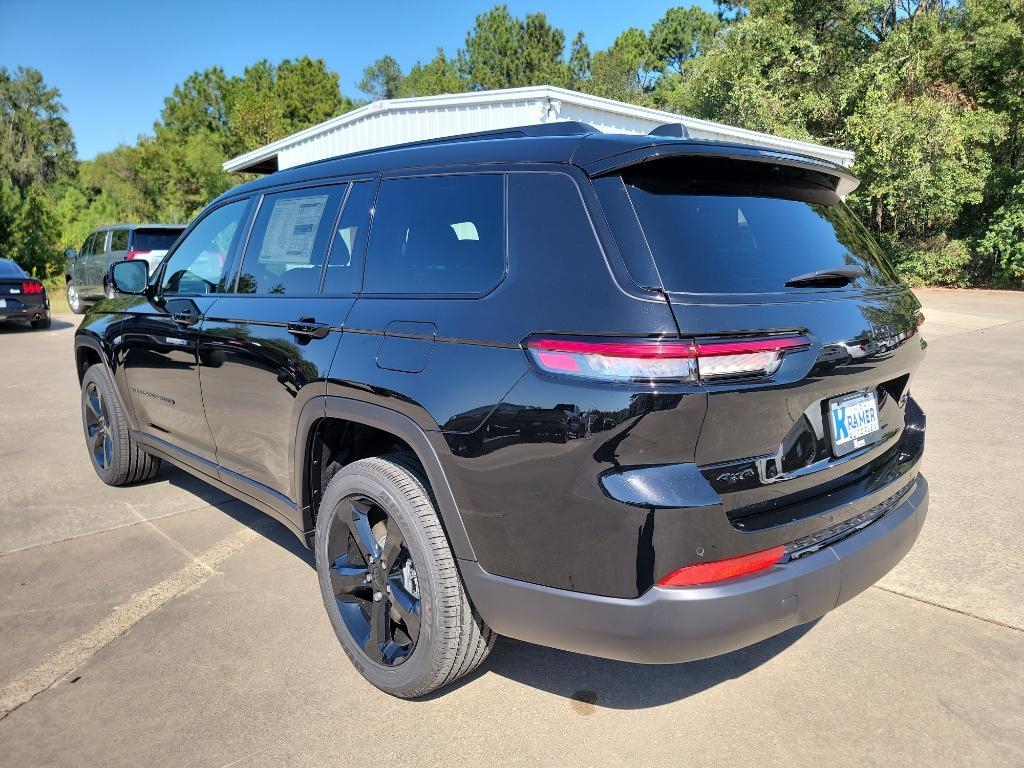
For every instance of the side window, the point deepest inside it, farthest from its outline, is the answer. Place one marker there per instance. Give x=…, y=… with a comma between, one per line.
x=100, y=243
x=437, y=235
x=286, y=251
x=197, y=264
x=119, y=240
x=344, y=270
x=87, y=245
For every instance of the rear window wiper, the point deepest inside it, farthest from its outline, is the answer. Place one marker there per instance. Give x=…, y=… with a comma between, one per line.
x=827, y=278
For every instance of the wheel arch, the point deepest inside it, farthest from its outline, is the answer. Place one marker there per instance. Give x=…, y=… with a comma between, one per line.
x=321, y=410
x=88, y=352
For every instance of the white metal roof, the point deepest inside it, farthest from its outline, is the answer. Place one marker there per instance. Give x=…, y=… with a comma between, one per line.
x=395, y=121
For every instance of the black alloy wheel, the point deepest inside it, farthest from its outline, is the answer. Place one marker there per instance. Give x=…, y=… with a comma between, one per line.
x=98, y=430
x=117, y=458
x=389, y=580
x=374, y=581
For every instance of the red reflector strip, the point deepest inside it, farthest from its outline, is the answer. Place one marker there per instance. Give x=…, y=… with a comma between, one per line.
x=720, y=570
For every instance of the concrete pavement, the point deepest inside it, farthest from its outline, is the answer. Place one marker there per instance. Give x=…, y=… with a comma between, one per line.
x=185, y=628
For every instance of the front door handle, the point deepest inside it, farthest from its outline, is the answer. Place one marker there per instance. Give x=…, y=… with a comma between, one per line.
x=308, y=328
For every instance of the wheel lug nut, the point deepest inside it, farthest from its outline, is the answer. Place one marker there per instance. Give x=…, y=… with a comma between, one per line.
x=369, y=578
x=377, y=597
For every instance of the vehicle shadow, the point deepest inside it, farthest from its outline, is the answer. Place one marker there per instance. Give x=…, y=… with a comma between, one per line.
x=245, y=514
x=15, y=326
x=587, y=682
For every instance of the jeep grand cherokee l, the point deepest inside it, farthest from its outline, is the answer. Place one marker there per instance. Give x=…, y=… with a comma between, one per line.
x=364, y=348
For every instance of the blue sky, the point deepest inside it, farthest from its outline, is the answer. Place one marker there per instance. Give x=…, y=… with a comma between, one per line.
x=114, y=62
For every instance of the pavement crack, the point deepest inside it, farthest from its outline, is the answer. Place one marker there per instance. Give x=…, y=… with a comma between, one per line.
x=74, y=653
x=934, y=604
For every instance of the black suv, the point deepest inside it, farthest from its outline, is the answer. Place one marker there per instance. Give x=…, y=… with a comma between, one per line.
x=622, y=395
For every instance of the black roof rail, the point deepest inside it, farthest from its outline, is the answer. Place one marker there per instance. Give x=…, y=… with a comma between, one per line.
x=678, y=130
x=563, y=128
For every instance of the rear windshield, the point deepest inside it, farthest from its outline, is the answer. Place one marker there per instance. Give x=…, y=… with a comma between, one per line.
x=154, y=239
x=712, y=230
x=10, y=269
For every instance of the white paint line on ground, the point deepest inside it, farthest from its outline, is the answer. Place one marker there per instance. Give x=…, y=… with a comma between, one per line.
x=74, y=653
x=163, y=534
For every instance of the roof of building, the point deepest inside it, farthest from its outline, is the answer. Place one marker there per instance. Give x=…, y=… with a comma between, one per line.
x=436, y=115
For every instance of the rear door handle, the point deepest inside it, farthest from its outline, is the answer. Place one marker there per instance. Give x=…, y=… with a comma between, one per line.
x=186, y=317
x=308, y=328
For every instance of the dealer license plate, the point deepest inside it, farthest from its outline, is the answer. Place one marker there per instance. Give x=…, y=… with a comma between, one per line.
x=853, y=420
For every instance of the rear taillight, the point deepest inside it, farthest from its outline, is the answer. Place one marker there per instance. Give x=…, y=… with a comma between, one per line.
x=31, y=287
x=614, y=360
x=720, y=570
x=661, y=359
x=135, y=254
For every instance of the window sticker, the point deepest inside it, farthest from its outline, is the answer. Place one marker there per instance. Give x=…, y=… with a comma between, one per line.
x=291, y=231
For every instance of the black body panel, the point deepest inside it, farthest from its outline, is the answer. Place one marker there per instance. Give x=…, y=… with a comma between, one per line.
x=599, y=487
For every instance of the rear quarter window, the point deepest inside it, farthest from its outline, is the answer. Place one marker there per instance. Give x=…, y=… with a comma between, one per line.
x=437, y=235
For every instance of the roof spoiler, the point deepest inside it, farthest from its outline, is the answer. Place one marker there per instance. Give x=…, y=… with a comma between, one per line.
x=677, y=130
x=845, y=181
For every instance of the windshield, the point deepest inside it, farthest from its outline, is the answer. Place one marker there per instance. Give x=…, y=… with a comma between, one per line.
x=710, y=234
x=154, y=239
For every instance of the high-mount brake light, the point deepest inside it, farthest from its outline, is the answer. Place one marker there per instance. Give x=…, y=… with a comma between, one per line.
x=720, y=570
x=661, y=359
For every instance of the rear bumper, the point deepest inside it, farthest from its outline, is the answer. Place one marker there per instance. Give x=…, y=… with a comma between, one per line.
x=25, y=312
x=670, y=625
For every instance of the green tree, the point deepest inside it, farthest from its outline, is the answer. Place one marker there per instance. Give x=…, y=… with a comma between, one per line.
x=382, y=79
x=627, y=70
x=36, y=143
x=36, y=235
x=439, y=75
x=683, y=34
x=505, y=52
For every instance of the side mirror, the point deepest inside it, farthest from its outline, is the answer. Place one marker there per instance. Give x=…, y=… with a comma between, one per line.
x=71, y=253
x=130, y=277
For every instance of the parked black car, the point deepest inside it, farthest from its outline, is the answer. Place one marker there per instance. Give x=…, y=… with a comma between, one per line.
x=361, y=348
x=22, y=297
x=85, y=273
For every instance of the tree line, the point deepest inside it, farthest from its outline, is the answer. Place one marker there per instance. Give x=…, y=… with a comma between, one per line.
x=928, y=93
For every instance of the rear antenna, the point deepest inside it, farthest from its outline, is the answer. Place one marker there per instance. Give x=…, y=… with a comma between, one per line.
x=676, y=130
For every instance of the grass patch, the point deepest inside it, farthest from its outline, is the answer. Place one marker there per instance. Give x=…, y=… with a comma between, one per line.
x=56, y=293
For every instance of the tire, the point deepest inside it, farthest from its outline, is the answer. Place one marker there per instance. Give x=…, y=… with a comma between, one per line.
x=74, y=299
x=41, y=323
x=450, y=639
x=116, y=457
